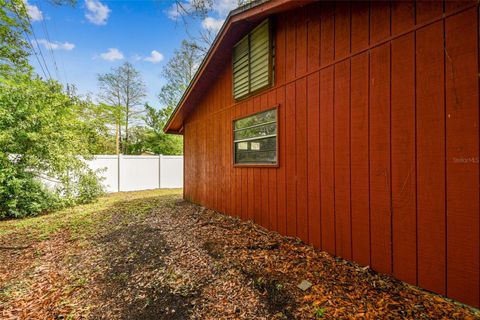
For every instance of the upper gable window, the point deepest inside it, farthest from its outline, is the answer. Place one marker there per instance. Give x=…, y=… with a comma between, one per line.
x=252, y=62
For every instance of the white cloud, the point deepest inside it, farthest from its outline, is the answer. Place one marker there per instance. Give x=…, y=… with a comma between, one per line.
x=223, y=7
x=33, y=12
x=97, y=12
x=212, y=24
x=155, y=57
x=112, y=54
x=174, y=12
x=56, y=45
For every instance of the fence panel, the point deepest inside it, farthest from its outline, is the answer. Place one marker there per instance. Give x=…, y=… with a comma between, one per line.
x=108, y=164
x=132, y=173
x=171, y=171
x=139, y=173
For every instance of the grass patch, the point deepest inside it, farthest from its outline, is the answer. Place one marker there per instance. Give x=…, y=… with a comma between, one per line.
x=81, y=220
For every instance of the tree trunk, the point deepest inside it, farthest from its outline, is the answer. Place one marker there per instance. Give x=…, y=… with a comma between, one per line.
x=126, y=133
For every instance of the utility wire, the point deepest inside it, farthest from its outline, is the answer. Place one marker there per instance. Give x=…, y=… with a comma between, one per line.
x=49, y=46
x=55, y=29
x=30, y=42
x=36, y=40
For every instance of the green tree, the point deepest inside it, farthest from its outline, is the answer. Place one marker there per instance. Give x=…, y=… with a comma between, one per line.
x=123, y=89
x=14, y=49
x=43, y=135
x=178, y=73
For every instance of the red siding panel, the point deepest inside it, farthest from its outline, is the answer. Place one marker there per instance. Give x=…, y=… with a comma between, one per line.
x=327, y=182
x=430, y=158
x=301, y=42
x=290, y=53
x=301, y=158
x=265, y=217
x=313, y=159
x=290, y=160
x=280, y=50
x=428, y=10
x=404, y=224
x=272, y=177
x=281, y=175
x=342, y=160
x=360, y=32
x=360, y=179
x=463, y=234
x=403, y=16
x=379, y=21
x=313, y=31
x=327, y=33
x=380, y=174
x=342, y=29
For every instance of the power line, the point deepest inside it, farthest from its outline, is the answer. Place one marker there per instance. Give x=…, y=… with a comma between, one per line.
x=30, y=42
x=49, y=46
x=61, y=58
x=39, y=48
x=36, y=40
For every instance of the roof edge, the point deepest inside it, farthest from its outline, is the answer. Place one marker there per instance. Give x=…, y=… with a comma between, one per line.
x=218, y=38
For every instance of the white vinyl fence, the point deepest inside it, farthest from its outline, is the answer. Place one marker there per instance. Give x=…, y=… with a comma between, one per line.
x=131, y=173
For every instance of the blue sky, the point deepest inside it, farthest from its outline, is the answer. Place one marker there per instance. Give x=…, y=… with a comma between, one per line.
x=95, y=36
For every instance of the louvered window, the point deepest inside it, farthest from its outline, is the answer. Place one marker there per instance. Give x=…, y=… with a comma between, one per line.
x=252, y=59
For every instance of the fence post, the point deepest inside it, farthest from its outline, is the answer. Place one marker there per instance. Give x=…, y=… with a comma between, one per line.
x=160, y=171
x=119, y=157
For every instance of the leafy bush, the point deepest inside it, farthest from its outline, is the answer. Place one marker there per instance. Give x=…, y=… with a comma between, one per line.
x=43, y=134
x=21, y=194
x=89, y=187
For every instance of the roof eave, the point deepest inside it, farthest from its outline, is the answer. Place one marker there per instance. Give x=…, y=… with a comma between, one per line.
x=237, y=15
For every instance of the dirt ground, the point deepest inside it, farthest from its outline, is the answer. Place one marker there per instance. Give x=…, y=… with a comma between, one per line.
x=150, y=255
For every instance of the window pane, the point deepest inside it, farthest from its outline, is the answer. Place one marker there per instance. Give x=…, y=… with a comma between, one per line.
x=258, y=118
x=257, y=151
x=260, y=131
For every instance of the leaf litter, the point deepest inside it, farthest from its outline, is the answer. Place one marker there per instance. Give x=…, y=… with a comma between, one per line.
x=175, y=260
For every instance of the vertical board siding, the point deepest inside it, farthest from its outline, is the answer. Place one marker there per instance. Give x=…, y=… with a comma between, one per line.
x=430, y=126
x=290, y=160
x=360, y=166
x=282, y=155
x=327, y=182
x=272, y=179
x=343, y=230
x=313, y=159
x=404, y=216
x=301, y=158
x=380, y=174
x=378, y=139
x=461, y=77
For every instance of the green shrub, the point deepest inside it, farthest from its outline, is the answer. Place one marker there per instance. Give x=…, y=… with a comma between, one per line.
x=21, y=194
x=89, y=187
x=43, y=133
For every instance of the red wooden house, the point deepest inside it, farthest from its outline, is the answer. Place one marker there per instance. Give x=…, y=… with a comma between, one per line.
x=351, y=125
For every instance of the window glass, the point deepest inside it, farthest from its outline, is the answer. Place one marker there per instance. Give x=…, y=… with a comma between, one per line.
x=255, y=138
